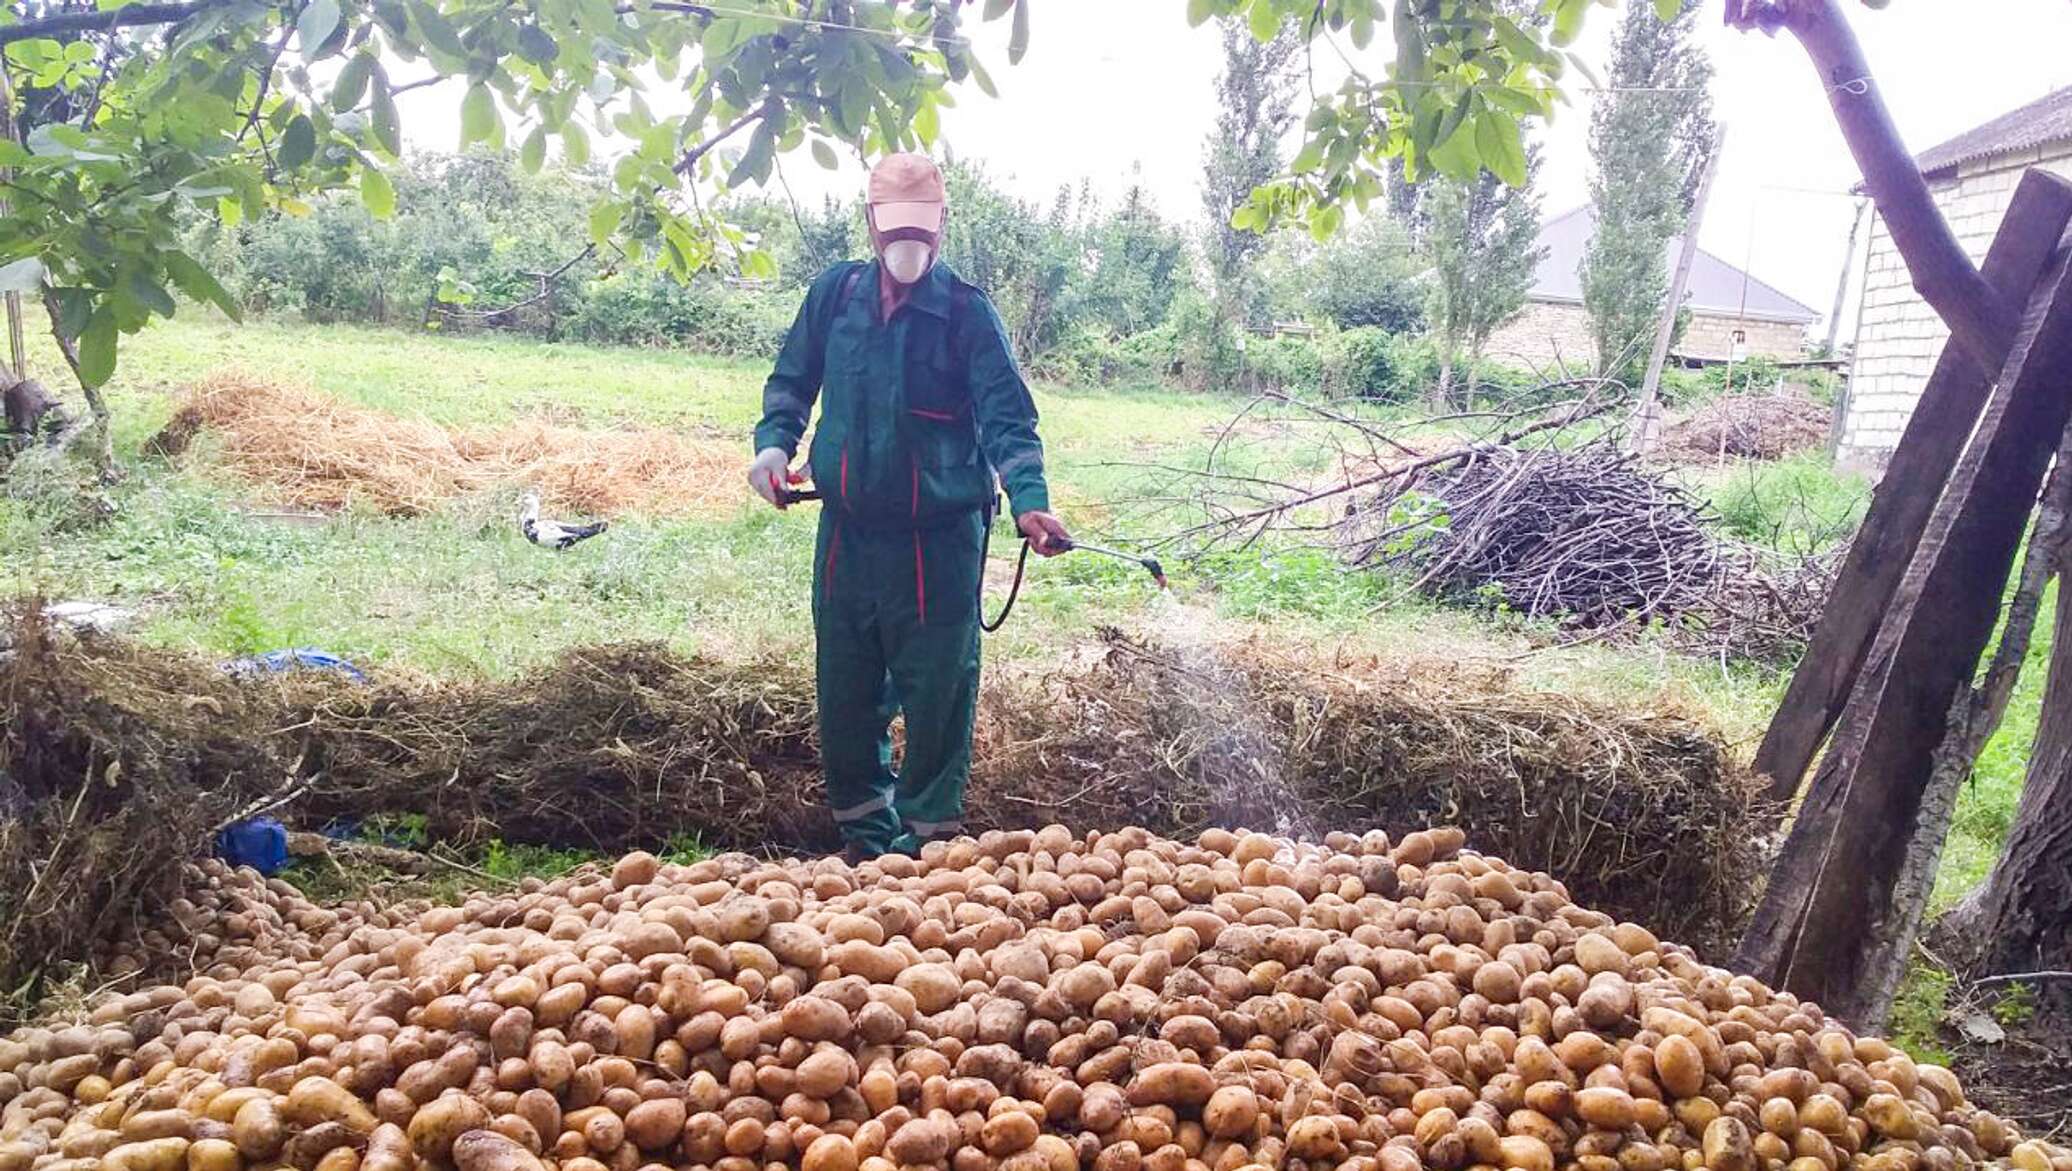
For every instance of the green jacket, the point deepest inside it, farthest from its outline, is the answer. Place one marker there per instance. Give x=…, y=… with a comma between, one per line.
x=914, y=422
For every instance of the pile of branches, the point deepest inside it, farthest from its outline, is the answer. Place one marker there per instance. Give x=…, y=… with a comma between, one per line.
x=1536, y=510
x=1595, y=540
x=1588, y=537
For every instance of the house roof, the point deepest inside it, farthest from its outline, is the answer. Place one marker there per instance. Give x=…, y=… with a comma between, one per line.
x=1715, y=286
x=2043, y=122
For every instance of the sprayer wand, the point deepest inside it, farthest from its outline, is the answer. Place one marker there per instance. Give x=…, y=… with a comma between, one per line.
x=1150, y=564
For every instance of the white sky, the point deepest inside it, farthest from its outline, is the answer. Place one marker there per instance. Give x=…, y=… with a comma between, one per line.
x=1115, y=91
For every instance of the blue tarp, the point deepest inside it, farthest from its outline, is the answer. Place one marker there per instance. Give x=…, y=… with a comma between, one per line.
x=258, y=842
x=262, y=842
x=299, y=658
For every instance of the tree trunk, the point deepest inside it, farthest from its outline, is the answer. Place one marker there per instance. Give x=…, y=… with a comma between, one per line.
x=1442, y=392
x=104, y=426
x=2020, y=920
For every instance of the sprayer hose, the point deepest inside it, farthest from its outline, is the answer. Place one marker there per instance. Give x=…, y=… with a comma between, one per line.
x=1014, y=591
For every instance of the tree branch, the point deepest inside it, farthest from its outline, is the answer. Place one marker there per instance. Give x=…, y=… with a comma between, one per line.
x=1980, y=320
x=273, y=60
x=691, y=156
x=91, y=20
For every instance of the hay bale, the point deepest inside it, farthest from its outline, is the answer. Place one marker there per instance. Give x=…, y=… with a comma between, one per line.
x=1750, y=426
x=629, y=746
x=314, y=451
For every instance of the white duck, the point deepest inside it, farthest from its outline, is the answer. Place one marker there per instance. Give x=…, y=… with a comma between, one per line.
x=548, y=534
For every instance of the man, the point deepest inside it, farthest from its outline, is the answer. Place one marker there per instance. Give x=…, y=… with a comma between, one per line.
x=921, y=407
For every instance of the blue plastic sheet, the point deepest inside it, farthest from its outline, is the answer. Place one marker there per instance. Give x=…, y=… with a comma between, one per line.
x=296, y=659
x=258, y=842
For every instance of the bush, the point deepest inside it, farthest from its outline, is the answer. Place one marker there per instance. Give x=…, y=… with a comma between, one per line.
x=1362, y=362
x=1285, y=363
x=642, y=309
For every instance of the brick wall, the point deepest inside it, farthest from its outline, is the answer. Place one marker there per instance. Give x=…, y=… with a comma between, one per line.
x=1898, y=337
x=1546, y=335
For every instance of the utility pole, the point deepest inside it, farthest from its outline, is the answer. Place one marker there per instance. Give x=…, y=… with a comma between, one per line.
x=1834, y=318
x=1647, y=416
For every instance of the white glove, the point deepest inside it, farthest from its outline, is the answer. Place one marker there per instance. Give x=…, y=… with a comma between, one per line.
x=770, y=473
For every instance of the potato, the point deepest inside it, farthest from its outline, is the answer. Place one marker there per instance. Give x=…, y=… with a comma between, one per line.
x=257, y=1129
x=308, y=1148
x=1172, y=1083
x=437, y=1124
x=815, y=1018
x=1034, y=1001
x=158, y=1154
x=1605, y=1107
x=213, y=1154
x=486, y=1150
x=830, y=1152
x=388, y=1149
x=1231, y=1112
x=922, y=1141
x=1727, y=1146
x=655, y=1124
x=318, y=1099
x=1680, y=1066
x=1316, y=1137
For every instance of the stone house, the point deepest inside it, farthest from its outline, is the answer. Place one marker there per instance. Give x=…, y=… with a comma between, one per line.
x=1898, y=337
x=1733, y=315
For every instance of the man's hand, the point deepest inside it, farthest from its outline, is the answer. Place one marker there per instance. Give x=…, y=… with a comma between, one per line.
x=769, y=474
x=1046, y=533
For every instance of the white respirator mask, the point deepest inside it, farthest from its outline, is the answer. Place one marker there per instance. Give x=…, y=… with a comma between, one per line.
x=908, y=260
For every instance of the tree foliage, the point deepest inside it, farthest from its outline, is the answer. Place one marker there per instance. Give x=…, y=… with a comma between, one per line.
x=242, y=107
x=1255, y=108
x=1643, y=192
x=1481, y=237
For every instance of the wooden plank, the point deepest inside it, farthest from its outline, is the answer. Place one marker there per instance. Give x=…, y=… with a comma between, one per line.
x=1831, y=896
x=1941, y=423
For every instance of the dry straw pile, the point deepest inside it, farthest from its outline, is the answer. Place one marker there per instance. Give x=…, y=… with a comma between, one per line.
x=314, y=451
x=1750, y=426
x=112, y=744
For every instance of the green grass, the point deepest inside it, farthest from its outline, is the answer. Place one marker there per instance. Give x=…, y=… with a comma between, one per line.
x=459, y=593
x=1796, y=505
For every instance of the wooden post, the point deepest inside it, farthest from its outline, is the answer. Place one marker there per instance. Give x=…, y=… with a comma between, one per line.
x=1647, y=417
x=1834, y=316
x=1835, y=891
x=1935, y=435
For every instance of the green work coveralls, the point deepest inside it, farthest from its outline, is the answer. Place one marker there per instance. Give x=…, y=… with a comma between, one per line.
x=917, y=415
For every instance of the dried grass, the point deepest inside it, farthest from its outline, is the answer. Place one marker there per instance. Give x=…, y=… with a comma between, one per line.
x=1750, y=426
x=616, y=747
x=313, y=451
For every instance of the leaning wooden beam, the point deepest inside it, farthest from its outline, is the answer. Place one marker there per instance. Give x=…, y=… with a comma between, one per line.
x=1935, y=436
x=1832, y=893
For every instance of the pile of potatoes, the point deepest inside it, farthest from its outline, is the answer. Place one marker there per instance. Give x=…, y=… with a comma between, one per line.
x=1027, y=1001
x=231, y=918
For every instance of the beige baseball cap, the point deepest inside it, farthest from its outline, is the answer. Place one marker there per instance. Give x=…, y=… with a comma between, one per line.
x=906, y=191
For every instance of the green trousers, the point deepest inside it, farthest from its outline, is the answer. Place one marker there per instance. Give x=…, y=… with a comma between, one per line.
x=896, y=629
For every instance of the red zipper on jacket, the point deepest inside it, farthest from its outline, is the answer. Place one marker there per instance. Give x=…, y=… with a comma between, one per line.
x=915, y=466
x=845, y=473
